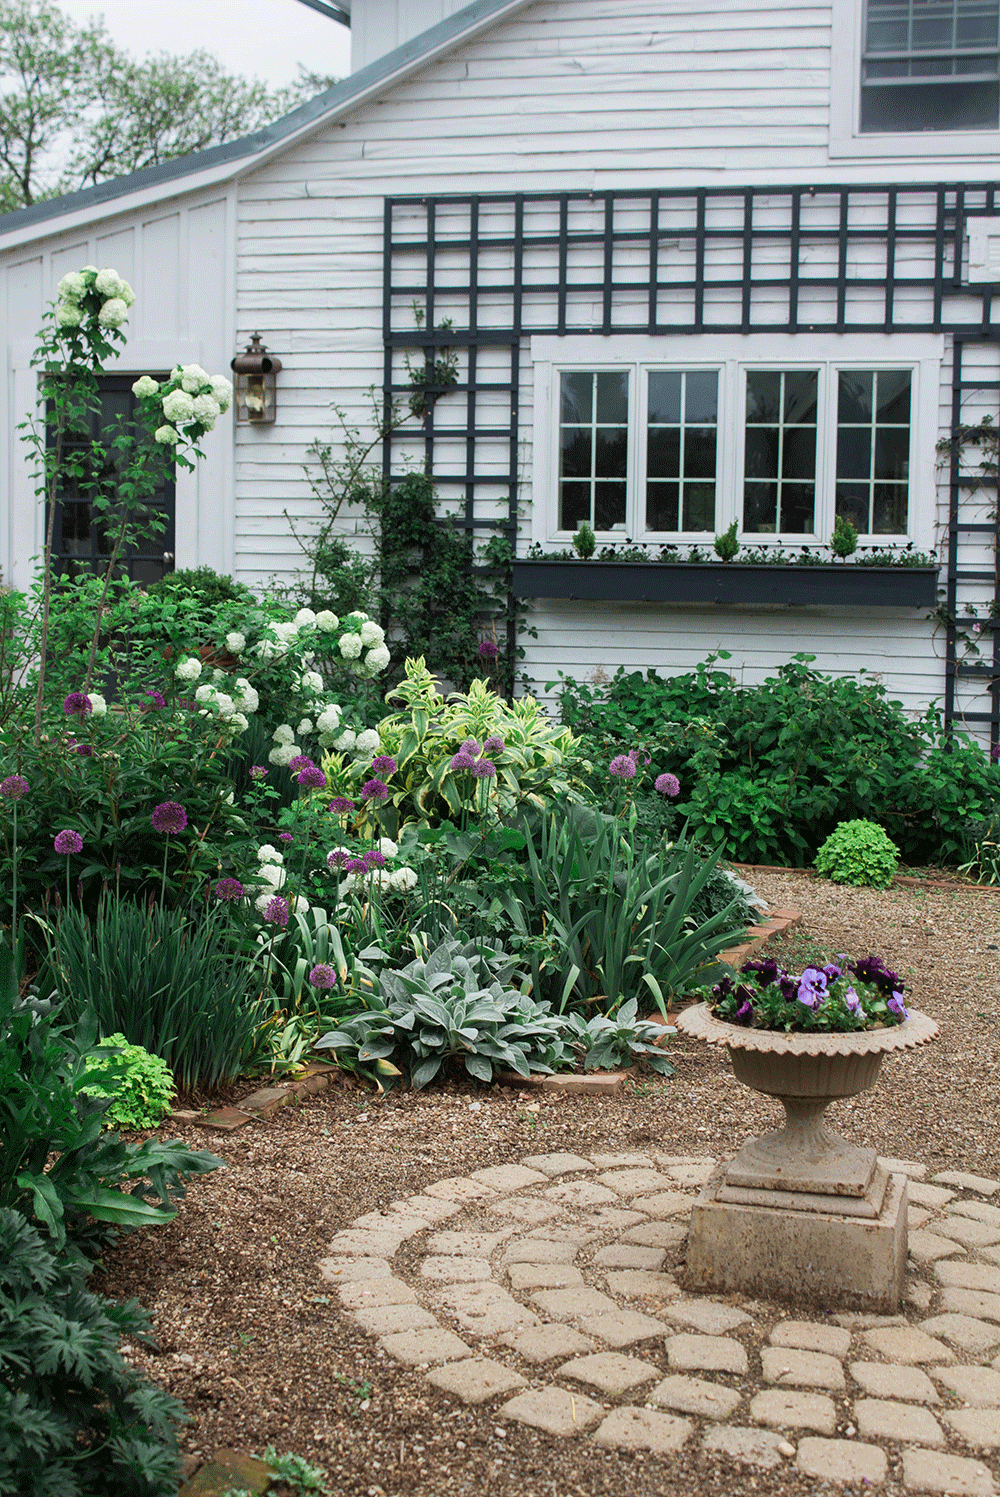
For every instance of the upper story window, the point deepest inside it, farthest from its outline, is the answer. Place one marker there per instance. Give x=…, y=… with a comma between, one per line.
x=930, y=65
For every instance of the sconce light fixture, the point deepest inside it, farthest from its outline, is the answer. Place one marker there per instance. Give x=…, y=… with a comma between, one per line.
x=256, y=373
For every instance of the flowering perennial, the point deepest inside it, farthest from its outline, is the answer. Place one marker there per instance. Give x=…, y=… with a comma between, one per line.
x=839, y=996
x=67, y=842
x=169, y=817
x=14, y=787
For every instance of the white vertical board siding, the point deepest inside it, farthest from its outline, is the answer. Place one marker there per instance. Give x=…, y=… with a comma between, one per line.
x=377, y=26
x=179, y=260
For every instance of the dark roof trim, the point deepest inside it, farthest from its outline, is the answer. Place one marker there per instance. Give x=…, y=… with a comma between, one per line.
x=331, y=11
x=363, y=81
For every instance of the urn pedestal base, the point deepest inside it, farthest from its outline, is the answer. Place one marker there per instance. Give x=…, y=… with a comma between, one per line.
x=827, y=1258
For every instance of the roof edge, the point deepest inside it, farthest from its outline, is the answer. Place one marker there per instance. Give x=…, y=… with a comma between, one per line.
x=223, y=161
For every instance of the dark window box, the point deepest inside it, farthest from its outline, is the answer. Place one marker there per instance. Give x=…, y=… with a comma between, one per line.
x=732, y=582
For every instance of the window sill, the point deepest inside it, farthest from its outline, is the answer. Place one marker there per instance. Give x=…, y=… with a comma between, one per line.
x=788, y=585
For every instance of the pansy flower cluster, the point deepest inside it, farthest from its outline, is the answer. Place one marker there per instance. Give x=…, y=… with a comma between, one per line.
x=840, y=996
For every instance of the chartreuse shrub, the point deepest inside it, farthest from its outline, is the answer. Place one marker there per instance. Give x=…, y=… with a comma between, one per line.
x=139, y=1085
x=858, y=852
x=75, y=1419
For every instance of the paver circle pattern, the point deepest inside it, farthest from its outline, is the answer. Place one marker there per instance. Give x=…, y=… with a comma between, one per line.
x=545, y=1291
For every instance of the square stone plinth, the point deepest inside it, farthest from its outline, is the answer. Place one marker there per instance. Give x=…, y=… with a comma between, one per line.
x=806, y=1257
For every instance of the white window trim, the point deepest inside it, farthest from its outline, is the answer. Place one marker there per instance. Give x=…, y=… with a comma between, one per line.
x=733, y=355
x=846, y=139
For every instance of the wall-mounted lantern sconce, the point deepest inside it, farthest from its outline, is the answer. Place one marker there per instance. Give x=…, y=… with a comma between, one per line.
x=256, y=373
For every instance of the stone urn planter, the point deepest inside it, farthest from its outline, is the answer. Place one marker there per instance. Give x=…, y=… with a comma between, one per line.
x=801, y=1212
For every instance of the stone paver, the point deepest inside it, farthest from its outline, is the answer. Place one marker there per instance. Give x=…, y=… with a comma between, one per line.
x=455, y=1270
x=643, y=1429
x=543, y=1275
x=609, y=1372
x=557, y=1164
x=351, y=1270
x=968, y=1276
x=372, y=1293
x=417, y=1347
x=370, y=1244
x=667, y=1203
x=389, y=1318
x=966, y=1230
x=661, y=1234
x=906, y=1345
x=835, y=1340
x=627, y=1255
x=929, y=1471
x=476, y=1379
x=934, y=1196
x=621, y=1327
x=547, y=1343
x=752, y=1447
x=464, y=1244
x=695, y=1395
x=431, y=1208
x=486, y=1309
x=706, y=1354
x=539, y=1250
x=979, y=1386
x=841, y=1460
x=979, y=1428
x=975, y=1302
x=963, y=1331
x=555, y=1411
x=580, y=1193
x=885, y=1419
x=573, y=1303
x=458, y=1188
x=634, y=1182
x=928, y=1247
x=802, y=1369
x=707, y=1315
x=509, y=1176
x=787, y=1410
x=980, y=1211
x=882, y=1380
x=962, y=1181
x=638, y=1283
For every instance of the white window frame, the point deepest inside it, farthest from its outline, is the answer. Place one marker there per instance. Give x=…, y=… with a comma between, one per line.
x=846, y=139
x=733, y=356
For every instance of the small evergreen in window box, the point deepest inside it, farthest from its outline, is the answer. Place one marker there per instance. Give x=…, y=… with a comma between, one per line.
x=726, y=545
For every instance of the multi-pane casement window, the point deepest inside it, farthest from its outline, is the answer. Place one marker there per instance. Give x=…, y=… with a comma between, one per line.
x=674, y=449
x=930, y=65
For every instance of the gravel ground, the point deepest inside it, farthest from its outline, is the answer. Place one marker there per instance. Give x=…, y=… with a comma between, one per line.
x=250, y=1341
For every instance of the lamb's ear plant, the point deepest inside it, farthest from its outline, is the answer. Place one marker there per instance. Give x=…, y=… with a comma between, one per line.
x=610, y=1042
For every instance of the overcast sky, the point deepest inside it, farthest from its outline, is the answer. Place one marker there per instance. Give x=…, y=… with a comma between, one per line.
x=258, y=38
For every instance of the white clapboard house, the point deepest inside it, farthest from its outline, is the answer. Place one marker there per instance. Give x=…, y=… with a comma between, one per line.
x=699, y=261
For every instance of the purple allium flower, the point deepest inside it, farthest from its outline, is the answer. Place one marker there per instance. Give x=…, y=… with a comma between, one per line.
x=356, y=865
x=229, y=890
x=622, y=767
x=494, y=745
x=339, y=858
x=470, y=746
x=373, y=859
x=77, y=704
x=14, y=787
x=376, y=790
x=995, y=753
x=258, y=771
x=461, y=761
x=68, y=842
x=169, y=817
x=285, y=837
x=636, y=754
x=301, y=761
x=157, y=699
x=276, y=911
x=484, y=769
x=340, y=805
x=311, y=778
x=896, y=1005
x=84, y=750
x=487, y=650
x=812, y=987
x=852, y=1001
x=323, y=976
x=667, y=784
x=382, y=764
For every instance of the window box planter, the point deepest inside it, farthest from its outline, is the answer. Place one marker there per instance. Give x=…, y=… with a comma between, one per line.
x=787, y=585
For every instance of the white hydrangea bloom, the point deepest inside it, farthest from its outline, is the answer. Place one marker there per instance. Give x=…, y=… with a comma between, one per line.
x=376, y=660
x=367, y=742
x=328, y=740
x=167, y=435
x=301, y=905
x=225, y=703
x=387, y=847
x=305, y=725
x=346, y=741
x=327, y=621
x=262, y=901
x=237, y=722
x=127, y=294
x=357, y=616
x=266, y=649
x=402, y=880
x=68, y=314
x=108, y=283
x=193, y=376
x=236, y=643
x=217, y=675
x=286, y=631
x=206, y=409
x=372, y=633
x=350, y=646
x=188, y=669
x=98, y=706
x=272, y=874
x=113, y=313
x=329, y=719
x=222, y=389
x=144, y=385
x=284, y=733
x=305, y=616
x=248, y=699
x=204, y=692
x=268, y=853
x=72, y=286
x=178, y=406
x=284, y=754
x=312, y=681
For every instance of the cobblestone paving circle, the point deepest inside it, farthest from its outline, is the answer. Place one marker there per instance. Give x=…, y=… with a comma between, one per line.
x=545, y=1292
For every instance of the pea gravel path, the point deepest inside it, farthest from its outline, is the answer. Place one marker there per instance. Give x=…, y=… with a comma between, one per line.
x=271, y=1332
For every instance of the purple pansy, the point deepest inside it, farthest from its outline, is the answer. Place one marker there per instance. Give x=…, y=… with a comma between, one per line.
x=896, y=1005
x=852, y=1001
x=812, y=987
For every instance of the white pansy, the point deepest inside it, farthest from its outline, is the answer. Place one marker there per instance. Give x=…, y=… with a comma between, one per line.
x=193, y=376
x=178, y=406
x=376, y=660
x=222, y=389
x=305, y=725
x=327, y=621
x=168, y=435
x=329, y=719
x=284, y=733
x=387, y=847
x=145, y=385
x=236, y=643
x=402, y=880
x=372, y=633
x=312, y=681
x=284, y=754
x=268, y=853
x=204, y=692
x=72, y=286
x=188, y=669
x=98, y=706
x=113, y=313
x=127, y=294
x=350, y=646
x=305, y=616
x=206, y=409
x=68, y=314
x=108, y=283
x=367, y=742
x=346, y=741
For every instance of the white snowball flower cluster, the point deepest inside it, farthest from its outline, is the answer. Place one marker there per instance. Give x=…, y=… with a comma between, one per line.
x=387, y=847
x=248, y=699
x=305, y=726
x=329, y=719
x=113, y=313
x=346, y=741
x=192, y=377
x=268, y=853
x=371, y=633
x=364, y=634
x=144, y=385
x=350, y=646
x=366, y=742
x=188, y=669
x=80, y=290
x=284, y=754
x=305, y=616
x=327, y=621
x=402, y=880
x=284, y=733
x=273, y=874
x=178, y=406
x=191, y=397
x=98, y=706
x=236, y=642
x=311, y=682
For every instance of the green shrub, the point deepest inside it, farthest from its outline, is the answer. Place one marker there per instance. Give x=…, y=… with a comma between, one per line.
x=75, y=1419
x=139, y=1084
x=858, y=852
x=984, y=845
x=207, y=589
x=610, y=1042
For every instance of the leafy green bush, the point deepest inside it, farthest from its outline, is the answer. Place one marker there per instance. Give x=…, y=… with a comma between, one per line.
x=858, y=852
x=183, y=985
x=75, y=1419
x=610, y=1042
x=206, y=588
x=984, y=841
x=139, y=1085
